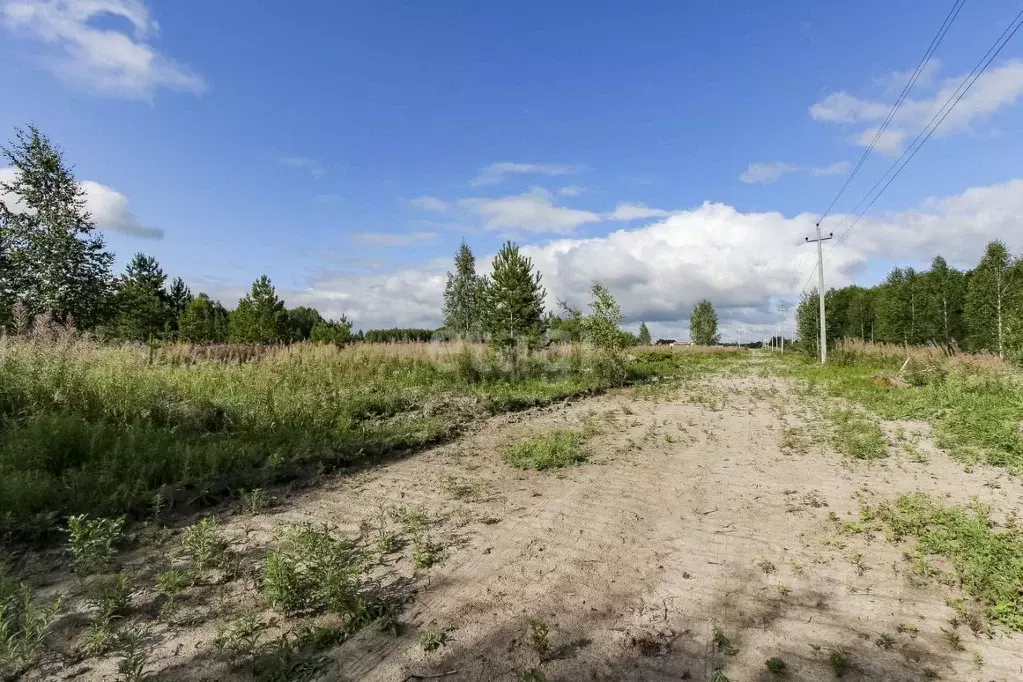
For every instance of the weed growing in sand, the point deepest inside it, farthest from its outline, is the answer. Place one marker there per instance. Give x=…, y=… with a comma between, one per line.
x=531, y=675
x=989, y=563
x=539, y=640
x=718, y=675
x=110, y=596
x=425, y=553
x=431, y=640
x=722, y=644
x=839, y=663
x=24, y=623
x=978, y=659
x=136, y=650
x=884, y=641
x=953, y=639
x=413, y=518
x=776, y=666
x=794, y=441
x=238, y=639
x=854, y=435
x=766, y=566
x=255, y=501
x=463, y=488
x=551, y=450
x=205, y=544
x=170, y=585
x=93, y=543
x=310, y=569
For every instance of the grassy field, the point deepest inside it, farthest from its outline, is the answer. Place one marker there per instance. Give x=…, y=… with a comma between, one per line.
x=106, y=430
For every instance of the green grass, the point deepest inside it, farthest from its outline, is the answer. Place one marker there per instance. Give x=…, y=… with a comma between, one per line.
x=550, y=450
x=855, y=435
x=104, y=430
x=988, y=562
x=975, y=415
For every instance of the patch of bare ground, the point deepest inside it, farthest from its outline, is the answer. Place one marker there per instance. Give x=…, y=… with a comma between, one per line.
x=704, y=535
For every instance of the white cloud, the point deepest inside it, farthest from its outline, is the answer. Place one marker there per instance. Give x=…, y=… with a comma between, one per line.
x=571, y=190
x=391, y=239
x=629, y=211
x=533, y=211
x=995, y=89
x=429, y=204
x=740, y=261
x=108, y=207
x=495, y=173
x=836, y=168
x=894, y=81
x=100, y=60
x=766, y=173
x=314, y=167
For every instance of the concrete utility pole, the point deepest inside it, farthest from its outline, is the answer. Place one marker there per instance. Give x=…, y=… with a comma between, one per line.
x=781, y=327
x=820, y=288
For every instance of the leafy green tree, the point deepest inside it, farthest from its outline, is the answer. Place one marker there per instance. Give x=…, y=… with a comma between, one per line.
x=143, y=307
x=179, y=296
x=896, y=307
x=51, y=258
x=327, y=331
x=260, y=317
x=603, y=325
x=565, y=327
x=703, y=324
x=944, y=290
x=513, y=298
x=302, y=321
x=462, y=296
x=203, y=321
x=987, y=298
x=808, y=323
x=644, y=335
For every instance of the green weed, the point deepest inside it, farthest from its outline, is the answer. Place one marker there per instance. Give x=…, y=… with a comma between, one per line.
x=462, y=488
x=255, y=501
x=110, y=596
x=237, y=640
x=205, y=544
x=551, y=450
x=24, y=623
x=539, y=633
x=425, y=553
x=776, y=666
x=431, y=640
x=722, y=644
x=136, y=651
x=93, y=542
x=856, y=436
x=839, y=663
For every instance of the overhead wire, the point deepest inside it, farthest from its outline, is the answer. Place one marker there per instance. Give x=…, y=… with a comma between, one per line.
x=935, y=122
x=928, y=53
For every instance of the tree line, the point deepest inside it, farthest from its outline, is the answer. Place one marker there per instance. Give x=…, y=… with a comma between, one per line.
x=976, y=310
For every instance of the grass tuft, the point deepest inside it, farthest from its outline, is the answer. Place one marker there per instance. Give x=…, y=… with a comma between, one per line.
x=551, y=450
x=856, y=436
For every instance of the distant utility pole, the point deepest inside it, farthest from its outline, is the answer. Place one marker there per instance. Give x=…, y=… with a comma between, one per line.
x=820, y=288
x=781, y=327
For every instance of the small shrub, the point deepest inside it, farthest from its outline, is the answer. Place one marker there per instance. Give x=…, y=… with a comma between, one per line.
x=722, y=644
x=100, y=639
x=776, y=666
x=838, y=663
x=205, y=544
x=539, y=633
x=387, y=541
x=425, y=553
x=93, y=542
x=413, y=518
x=856, y=436
x=431, y=640
x=554, y=449
x=310, y=569
x=111, y=596
x=24, y=624
x=238, y=639
x=255, y=501
x=136, y=650
x=169, y=585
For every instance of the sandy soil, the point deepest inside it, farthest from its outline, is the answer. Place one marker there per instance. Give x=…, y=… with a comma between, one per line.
x=710, y=507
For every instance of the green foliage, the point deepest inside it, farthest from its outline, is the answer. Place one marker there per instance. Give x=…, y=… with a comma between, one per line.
x=238, y=639
x=462, y=314
x=703, y=324
x=431, y=640
x=988, y=563
x=397, y=335
x=603, y=325
x=838, y=663
x=260, y=317
x=513, y=299
x=205, y=544
x=338, y=333
x=776, y=666
x=203, y=321
x=24, y=624
x=551, y=450
x=722, y=644
x=51, y=258
x=93, y=543
x=110, y=596
x=855, y=435
x=136, y=652
x=143, y=307
x=988, y=297
x=539, y=637
x=310, y=569
x=302, y=320
x=643, y=339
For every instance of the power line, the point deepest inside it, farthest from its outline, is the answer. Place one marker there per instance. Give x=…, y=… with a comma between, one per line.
x=928, y=53
x=931, y=126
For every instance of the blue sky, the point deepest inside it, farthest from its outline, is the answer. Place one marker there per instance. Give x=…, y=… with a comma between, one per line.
x=673, y=149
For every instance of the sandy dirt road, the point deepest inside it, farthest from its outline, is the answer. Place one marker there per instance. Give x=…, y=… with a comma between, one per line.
x=707, y=512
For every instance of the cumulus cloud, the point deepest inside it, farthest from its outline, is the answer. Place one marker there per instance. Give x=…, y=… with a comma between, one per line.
x=495, y=173
x=314, y=167
x=392, y=239
x=534, y=211
x=743, y=262
x=104, y=61
x=628, y=211
x=894, y=81
x=995, y=89
x=108, y=207
x=766, y=173
x=430, y=204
